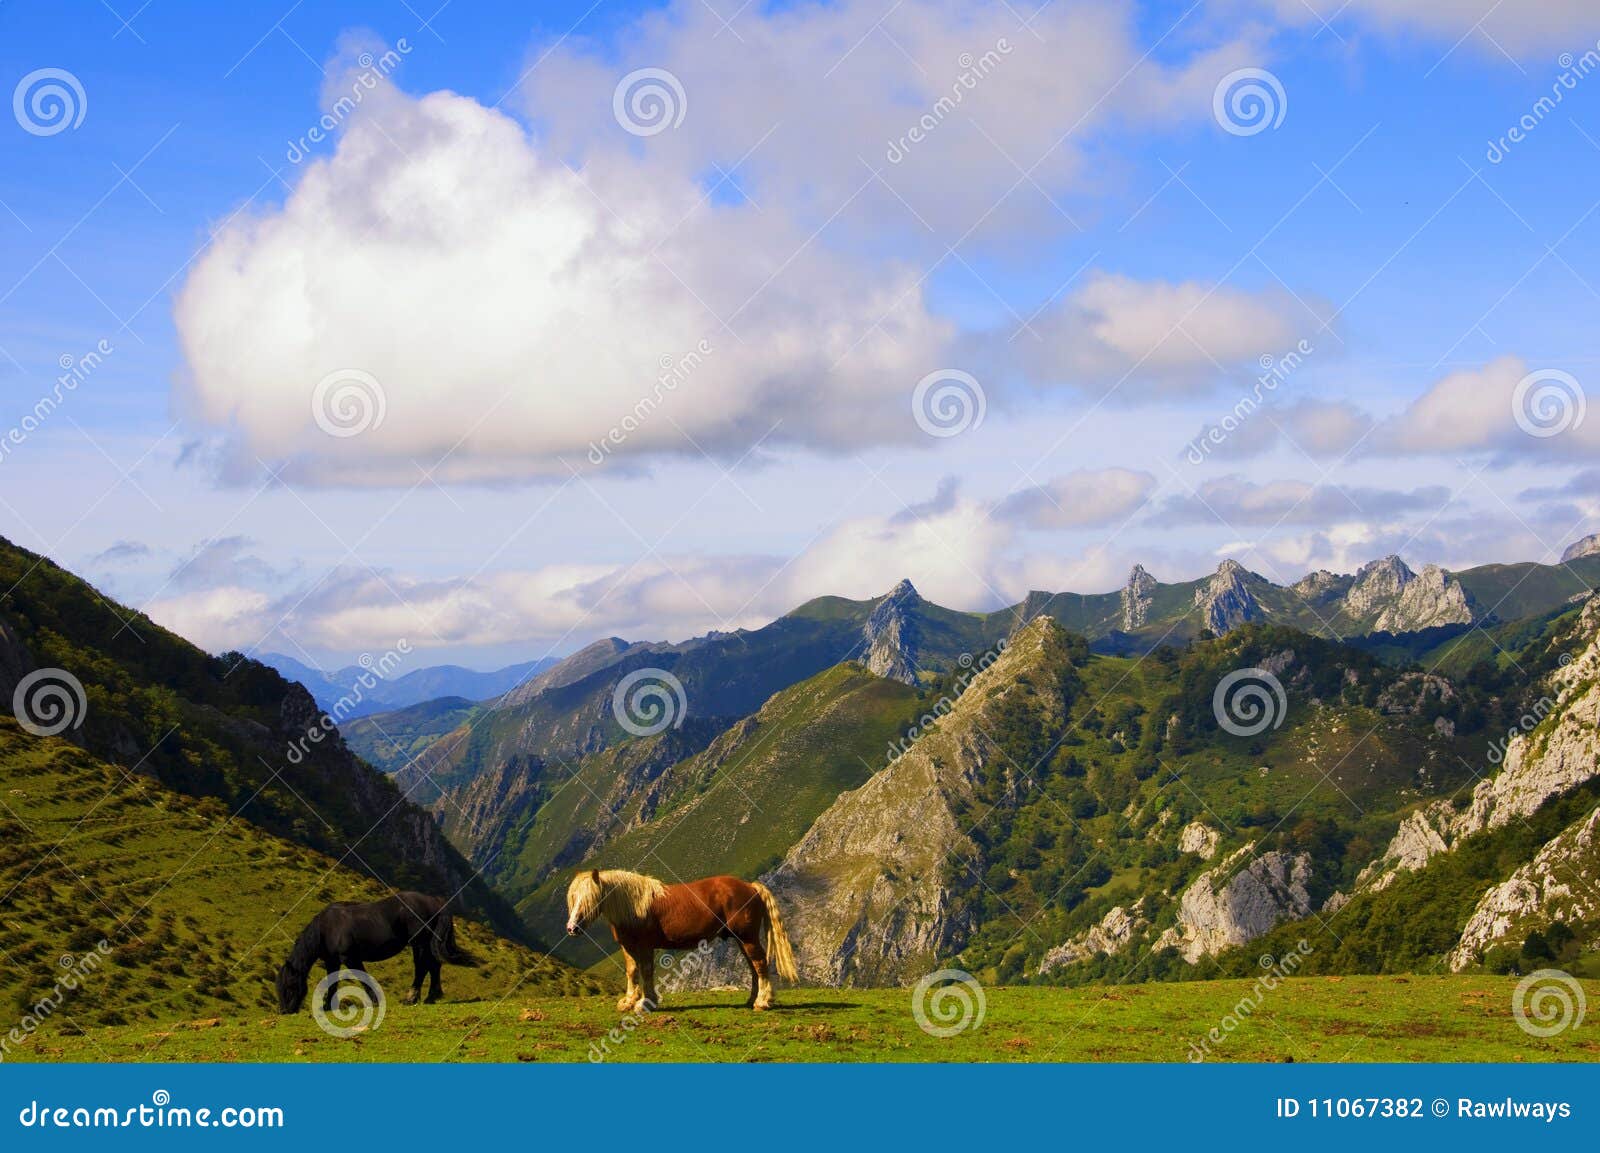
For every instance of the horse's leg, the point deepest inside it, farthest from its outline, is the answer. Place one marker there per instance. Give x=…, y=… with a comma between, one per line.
x=333, y=965
x=649, y=999
x=757, y=956
x=631, y=997
x=418, y=966
x=435, y=990
x=755, y=978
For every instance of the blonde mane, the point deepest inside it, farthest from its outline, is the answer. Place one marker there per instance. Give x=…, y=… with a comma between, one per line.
x=623, y=898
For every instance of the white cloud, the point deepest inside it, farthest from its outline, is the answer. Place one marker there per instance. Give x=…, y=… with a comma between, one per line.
x=510, y=321
x=1160, y=336
x=1079, y=499
x=1238, y=501
x=1507, y=408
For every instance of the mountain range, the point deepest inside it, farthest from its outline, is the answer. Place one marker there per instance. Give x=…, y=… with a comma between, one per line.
x=1045, y=792
x=1397, y=766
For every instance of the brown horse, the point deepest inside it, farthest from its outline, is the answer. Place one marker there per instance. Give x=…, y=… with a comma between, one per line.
x=646, y=914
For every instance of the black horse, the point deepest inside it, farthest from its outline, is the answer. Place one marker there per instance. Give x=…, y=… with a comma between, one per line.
x=349, y=935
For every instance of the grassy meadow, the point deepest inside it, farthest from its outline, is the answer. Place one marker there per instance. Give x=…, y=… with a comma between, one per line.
x=1327, y=1019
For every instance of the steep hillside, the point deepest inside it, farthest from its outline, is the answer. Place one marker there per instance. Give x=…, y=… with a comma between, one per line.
x=165, y=909
x=226, y=728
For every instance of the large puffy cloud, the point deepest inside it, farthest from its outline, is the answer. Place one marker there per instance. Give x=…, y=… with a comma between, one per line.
x=493, y=304
x=510, y=321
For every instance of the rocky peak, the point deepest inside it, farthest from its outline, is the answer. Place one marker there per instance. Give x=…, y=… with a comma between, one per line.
x=1588, y=546
x=1398, y=600
x=1377, y=583
x=1137, y=596
x=891, y=636
x=1226, y=602
x=1314, y=584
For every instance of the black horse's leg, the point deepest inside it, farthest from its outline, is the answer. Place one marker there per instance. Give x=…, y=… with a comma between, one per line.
x=435, y=990
x=418, y=967
x=333, y=966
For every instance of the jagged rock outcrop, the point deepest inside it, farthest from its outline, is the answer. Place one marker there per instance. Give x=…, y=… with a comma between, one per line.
x=1377, y=585
x=1226, y=601
x=1588, y=546
x=1110, y=937
x=1412, y=692
x=1235, y=902
x=1315, y=584
x=873, y=893
x=1137, y=597
x=1200, y=839
x=1397, y=600
x=891, y=635
x=1558, y=884
x=1555, y=748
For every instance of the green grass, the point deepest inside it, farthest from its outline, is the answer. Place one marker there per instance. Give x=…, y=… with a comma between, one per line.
x=1421, y=1019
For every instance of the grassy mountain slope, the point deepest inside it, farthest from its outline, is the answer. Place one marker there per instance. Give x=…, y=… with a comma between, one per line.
x=227, y=728
x=196, y=908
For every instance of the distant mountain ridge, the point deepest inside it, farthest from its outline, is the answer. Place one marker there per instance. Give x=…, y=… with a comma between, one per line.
x=350, y=684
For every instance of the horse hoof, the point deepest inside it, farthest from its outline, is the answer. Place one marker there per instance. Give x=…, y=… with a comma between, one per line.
x=411, y=998
x=758, y=1007
x=624, y=1005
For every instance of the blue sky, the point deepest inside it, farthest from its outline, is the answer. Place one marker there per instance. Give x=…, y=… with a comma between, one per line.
x=482, y=243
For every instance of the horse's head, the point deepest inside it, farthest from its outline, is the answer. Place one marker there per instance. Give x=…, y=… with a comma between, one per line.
x=584, y=897
x=291, y=989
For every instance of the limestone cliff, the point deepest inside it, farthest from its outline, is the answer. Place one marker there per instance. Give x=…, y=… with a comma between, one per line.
x=1556, y=748
x=1558, y=884
x=1236, y=902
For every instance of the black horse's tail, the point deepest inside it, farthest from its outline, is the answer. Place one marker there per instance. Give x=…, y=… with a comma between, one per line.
x=446, y=949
